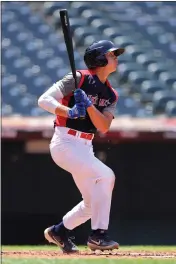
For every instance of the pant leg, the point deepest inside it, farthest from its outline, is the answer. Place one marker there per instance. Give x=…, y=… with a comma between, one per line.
x=67, y=158
x=97, y=193
x=94, y=180
x=101, y=195
x=82, y=211
x=77, y=216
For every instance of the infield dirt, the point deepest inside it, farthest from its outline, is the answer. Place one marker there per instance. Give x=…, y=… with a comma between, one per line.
x=88, y=254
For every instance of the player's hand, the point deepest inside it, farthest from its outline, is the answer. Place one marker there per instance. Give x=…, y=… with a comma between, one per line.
x=80, y=96
x=77, y=111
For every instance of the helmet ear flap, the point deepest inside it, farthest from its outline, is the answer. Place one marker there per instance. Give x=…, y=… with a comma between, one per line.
x=89, y=60
x=102, y=61
x=95, y=59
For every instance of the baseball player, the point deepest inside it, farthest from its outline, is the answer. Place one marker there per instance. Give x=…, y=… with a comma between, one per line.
x=71, y=145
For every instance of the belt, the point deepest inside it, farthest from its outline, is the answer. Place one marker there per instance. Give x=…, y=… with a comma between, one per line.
x=87, y=136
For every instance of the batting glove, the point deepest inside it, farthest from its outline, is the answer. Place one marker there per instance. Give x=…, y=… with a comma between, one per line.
x=77, y=111
x=80, y=96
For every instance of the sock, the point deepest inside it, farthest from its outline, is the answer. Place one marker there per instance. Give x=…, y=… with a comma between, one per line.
x=60, y=228
x=98, y=231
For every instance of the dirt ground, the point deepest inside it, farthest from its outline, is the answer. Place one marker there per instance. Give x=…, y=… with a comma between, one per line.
x=88, y=254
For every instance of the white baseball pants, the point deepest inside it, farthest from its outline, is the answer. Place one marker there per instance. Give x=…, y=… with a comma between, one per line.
x=93, y=178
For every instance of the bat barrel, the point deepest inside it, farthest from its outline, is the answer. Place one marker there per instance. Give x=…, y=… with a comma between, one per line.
x=68, y=40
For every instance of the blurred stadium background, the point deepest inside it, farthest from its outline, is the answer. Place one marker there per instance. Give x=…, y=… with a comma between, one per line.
x=34, y=54
x=33, y=58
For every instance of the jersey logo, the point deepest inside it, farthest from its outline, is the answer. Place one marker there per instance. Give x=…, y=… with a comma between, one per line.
x=95, y=100
x=104, y=102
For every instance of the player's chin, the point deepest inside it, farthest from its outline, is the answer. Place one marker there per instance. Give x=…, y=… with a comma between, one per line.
x=114, y=68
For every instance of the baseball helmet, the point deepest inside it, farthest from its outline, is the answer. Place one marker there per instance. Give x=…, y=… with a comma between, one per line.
x=95, y=54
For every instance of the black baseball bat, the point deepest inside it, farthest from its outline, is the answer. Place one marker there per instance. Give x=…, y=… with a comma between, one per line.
x=69, y=44
x=68, y=41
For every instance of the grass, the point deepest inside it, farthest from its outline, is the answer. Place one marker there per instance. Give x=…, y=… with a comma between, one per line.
x=9, y=260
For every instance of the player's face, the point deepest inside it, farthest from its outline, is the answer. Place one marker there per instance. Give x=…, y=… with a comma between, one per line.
x=112, y=61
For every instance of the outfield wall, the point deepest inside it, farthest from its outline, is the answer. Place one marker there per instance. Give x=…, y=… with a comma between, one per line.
x=36, y=193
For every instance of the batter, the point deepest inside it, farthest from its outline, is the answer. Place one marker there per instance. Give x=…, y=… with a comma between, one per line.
x=71, y=145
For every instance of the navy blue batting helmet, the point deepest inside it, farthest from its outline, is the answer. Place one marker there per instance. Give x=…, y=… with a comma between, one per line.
x=95, y=54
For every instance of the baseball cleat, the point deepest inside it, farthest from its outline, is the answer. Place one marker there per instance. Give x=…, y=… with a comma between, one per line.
x=64, y=243
x=102, y=242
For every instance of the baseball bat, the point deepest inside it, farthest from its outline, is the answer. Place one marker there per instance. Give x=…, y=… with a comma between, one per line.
x=68, y=41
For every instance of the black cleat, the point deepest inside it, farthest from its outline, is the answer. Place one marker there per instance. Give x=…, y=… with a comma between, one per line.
x=101, y=241
x=63, y=242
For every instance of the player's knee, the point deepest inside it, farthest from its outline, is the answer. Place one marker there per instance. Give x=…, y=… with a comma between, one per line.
x=109, y=177
x=87, y=204
x=112, y=179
